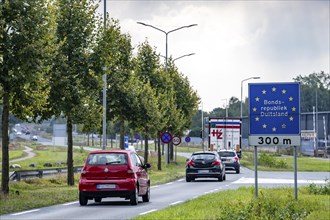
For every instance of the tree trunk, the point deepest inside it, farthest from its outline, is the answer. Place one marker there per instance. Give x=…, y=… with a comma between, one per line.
x=159, y=154
x=70, y=179
x=122, y=134
x=146, y=149
x=5, y=115
x=5, y=142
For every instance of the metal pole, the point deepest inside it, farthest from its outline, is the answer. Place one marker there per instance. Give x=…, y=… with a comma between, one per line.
x=166, y=52
x=256, y=171
x=295, y=174
x=314, y=131
x=104, y=124
x=202, y=128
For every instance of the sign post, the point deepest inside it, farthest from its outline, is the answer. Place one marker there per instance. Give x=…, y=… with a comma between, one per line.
x=166, y=138
x=274, y=116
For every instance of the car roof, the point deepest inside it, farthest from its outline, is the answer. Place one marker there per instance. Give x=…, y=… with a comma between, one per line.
x=110, y=151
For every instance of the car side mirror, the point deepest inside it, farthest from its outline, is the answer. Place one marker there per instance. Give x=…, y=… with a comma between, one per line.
x=147, y=165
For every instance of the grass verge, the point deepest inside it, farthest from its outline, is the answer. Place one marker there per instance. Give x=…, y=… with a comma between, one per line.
x=242, y=204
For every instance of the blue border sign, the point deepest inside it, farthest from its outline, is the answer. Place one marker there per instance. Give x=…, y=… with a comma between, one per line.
x=274, y=108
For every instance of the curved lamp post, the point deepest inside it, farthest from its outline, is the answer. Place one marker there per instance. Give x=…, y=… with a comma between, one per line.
x=255, y=77
x=166, y=33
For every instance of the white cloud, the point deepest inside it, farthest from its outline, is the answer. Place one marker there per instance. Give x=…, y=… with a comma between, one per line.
x=234, y=40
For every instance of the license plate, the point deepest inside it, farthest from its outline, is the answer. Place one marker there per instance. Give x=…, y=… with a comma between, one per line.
x=203, y=171
x=105, y=186
x=228, y=160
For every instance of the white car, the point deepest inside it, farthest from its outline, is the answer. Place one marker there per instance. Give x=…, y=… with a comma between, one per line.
x=34, y=137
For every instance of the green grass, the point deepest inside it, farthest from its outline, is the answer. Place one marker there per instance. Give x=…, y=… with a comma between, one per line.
x=51, y=155
x=242, y=204
x=268, y=162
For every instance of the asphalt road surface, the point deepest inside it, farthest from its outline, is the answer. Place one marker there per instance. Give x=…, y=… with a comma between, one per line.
x=166, y=195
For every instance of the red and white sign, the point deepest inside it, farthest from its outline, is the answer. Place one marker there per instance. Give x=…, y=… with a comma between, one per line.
x=224, y=133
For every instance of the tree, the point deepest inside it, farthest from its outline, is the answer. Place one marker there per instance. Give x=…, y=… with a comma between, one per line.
x=315, y=88
x=26, y=48
x=114, y=51
x=72, y=80
x=147, y=70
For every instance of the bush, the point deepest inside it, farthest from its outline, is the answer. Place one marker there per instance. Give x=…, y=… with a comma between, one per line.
x=271, y=161
x=319, y=190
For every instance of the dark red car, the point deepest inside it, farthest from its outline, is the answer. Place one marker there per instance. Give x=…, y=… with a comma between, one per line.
x=114, y=173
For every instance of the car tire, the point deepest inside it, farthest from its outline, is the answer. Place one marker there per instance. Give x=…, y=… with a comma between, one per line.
x=224, y=176
x=97, y=199
x=238, y=170
x=188, y=179
x=134, y=199
x=146, y=197
x=220, y=178
x=82, y=199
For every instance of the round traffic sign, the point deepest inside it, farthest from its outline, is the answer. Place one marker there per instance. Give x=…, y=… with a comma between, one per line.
x=166, y=137
x=187, y=139
x=176, y=140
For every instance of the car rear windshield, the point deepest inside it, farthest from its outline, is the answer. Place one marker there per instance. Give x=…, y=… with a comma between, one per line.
x=107, y=159
x=227, y=154
x=203, y=157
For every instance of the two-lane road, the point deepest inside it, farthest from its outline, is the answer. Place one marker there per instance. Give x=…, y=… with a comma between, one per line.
x=165, y=195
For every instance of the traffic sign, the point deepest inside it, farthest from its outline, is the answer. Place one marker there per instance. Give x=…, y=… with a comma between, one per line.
x=176, y=140
x=166, y=137
x=274, y=110
x=187, y=139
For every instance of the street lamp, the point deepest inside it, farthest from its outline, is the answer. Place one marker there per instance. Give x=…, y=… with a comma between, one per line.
x=166, y=33
x=104, y=123
x=241, y=116
x=186, y=55
x=226, y=107
x=255, y=77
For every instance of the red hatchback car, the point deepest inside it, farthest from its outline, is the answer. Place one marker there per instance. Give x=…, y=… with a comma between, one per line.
x=114, y=173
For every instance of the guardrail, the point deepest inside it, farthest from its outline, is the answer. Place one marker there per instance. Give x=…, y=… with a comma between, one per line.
x=25, y=174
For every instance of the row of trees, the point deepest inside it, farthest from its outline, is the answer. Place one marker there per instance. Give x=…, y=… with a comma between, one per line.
x=53, y=54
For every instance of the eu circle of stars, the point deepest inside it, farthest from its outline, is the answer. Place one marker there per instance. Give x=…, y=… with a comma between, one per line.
x=274, y=108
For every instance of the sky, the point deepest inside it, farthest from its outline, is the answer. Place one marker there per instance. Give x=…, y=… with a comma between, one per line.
x=233, y=41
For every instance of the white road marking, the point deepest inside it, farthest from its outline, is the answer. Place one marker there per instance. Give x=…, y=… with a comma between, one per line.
x=175, y=203
x=169, y=183
x=154, y=186
x=275, y=181
x=152, y=210
x=26, y=212
x=180, y=180
x=70, y=203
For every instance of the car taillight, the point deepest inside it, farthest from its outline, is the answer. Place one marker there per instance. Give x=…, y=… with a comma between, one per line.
x=217, y=162
x=236, y=158
x=83, y=172
x=190, y=163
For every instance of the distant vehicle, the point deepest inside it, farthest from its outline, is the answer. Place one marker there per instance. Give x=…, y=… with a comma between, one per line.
x=114, y=173
x=19, y=133
x=27, y=132
x=205, y=165
x=230, y=158
x=34, y=138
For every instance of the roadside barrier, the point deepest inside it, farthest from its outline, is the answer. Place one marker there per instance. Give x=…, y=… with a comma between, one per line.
x=25, y=174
